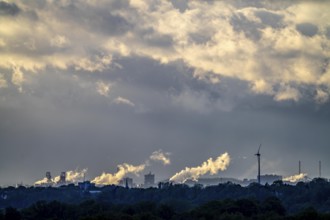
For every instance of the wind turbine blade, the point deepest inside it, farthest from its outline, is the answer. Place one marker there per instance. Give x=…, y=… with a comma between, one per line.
x=259, y=149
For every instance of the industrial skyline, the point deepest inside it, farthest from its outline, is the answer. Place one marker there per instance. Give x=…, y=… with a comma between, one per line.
x=163, y=86
x=188, y=176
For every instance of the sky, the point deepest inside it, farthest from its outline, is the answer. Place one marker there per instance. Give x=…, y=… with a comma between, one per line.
x=98, y=83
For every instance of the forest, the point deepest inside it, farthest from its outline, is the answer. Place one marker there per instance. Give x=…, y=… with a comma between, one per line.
x=305, y=200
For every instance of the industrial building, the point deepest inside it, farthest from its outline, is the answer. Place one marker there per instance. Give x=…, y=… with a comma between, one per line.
x=149, y=180
x=126, y=182
x=62, y=180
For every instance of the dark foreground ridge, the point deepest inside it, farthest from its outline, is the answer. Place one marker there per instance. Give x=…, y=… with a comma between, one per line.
x=225, y=201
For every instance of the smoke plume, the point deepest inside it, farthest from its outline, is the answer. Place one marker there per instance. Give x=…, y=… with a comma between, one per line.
x=72, y=176
x=210, y=166
x=295, y=178
x=161, y=156
x=43, y=181
x=123, y=169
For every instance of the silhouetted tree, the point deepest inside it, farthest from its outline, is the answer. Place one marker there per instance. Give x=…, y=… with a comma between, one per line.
x=12, y=214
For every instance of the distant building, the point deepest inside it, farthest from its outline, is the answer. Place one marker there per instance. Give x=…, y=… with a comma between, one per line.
x=86, y=185
x=212, y=181
x=49, y=177
x=62, y=179
x=126, y=182
x=149, y=180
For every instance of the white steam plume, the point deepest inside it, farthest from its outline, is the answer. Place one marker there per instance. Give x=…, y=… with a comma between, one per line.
x=43, y=181
x=72, y=176
x=161, y=156
x=295, y=178
x=210, y=166
x=123, y=169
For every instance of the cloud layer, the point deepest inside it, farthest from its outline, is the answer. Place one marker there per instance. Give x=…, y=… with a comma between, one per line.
x=276, y=50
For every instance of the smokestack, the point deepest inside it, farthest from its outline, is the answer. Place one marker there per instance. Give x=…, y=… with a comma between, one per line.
x=258, y=155
x=48, y=176
x=299, y=171
x=320, y=169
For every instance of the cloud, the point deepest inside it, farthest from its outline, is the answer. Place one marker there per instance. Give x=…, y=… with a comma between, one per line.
x=93, y=63
x=59, y=41
x=210, y=166
x=8, y=8
x=307, y=29
x=321, y=96
x=3, y=82
x=199, y=101
x=161, y=156
x=256, y=42
x=287, y=93
x=103, y=88
x=120, y=100
x=17, y=78
x=262, y=87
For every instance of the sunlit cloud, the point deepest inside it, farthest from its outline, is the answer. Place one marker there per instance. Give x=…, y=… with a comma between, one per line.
x=321, y=96
x=103, y=88
x=120, y=100
x=161, y=156
x=265, y=47
x=17, y=78
x=3, y=81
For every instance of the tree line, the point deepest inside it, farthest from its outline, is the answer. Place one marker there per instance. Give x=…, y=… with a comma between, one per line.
x=278, y=200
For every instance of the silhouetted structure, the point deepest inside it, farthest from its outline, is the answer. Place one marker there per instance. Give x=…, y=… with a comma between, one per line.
x=49, y=177
x=126, y=182
x=86, y=185
x=258, y=155
x=149, y=180
x=320, y=174
x=62, y=178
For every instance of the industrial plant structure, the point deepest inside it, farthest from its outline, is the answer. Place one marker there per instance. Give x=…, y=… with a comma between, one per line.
x=149, y=180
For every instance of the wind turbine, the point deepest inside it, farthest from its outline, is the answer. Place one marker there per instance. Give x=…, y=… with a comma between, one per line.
x=258, y=155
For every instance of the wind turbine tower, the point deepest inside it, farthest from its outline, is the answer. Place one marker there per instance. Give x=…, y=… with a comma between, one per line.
x=258, y=155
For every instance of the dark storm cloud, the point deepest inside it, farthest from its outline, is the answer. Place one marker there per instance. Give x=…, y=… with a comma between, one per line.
x=8, y=8
x=307, y=29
